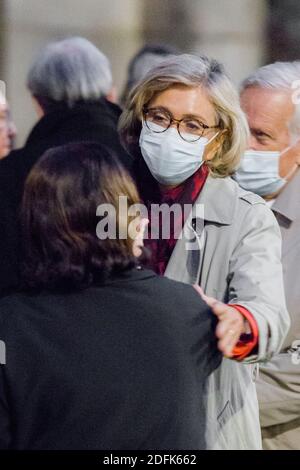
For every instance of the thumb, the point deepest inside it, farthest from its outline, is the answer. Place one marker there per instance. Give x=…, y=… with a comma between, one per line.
x=219, y=308
x=210, y=301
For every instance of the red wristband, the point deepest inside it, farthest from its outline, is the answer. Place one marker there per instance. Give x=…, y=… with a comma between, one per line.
x=247, y=342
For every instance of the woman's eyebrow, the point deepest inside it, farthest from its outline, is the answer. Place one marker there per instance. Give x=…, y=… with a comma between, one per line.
x=188, y=115
x=195, y=116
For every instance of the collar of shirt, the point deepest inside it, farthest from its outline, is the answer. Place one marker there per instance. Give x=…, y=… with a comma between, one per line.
x=287, y=202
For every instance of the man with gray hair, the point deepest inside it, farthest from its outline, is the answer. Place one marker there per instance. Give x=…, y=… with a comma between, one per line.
x=70, y=83
x=270, y=168
x=70, y=71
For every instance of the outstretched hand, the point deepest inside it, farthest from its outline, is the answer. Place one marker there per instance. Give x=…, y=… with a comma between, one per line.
x=231, y=324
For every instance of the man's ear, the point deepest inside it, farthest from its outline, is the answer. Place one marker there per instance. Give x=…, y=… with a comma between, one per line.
x=297, y=151
x=112, y=95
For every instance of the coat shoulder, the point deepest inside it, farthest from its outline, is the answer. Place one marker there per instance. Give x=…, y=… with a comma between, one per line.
x=247, y=196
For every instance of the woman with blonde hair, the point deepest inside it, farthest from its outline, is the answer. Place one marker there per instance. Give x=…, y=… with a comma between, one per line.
x=185, y=128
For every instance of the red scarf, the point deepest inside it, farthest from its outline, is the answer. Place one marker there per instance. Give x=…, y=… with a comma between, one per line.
x=186, y=193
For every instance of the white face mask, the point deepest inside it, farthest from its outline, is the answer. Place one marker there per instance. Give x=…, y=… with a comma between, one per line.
x=170, y=159
x=259, y=172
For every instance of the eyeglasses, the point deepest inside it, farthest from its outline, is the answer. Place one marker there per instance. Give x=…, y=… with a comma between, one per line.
x=190, y=129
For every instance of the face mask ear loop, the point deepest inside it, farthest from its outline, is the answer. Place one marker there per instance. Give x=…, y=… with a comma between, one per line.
x=286, y=150
x=212, y=138
x=295, y=166
x=293, y=170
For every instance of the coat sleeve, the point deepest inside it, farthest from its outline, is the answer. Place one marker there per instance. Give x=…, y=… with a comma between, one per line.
x=256, y=280
x=9, y=230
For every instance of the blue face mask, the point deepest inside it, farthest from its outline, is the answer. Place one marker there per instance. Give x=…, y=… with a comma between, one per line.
x=170, y=159
x=259, y=172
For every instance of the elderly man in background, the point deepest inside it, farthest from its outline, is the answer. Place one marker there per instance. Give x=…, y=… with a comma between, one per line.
x=270, y=168
x=71, y=86
x=7, y=128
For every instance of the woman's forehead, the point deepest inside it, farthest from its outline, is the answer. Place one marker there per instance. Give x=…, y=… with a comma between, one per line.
x=181, y=100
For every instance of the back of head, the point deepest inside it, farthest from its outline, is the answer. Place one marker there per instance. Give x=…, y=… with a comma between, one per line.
x=59, y=217
x=69, y=71
x=144, y=60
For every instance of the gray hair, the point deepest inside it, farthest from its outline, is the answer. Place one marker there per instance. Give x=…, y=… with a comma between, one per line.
x=279, y=76
x=70, y=70
x=192, y=71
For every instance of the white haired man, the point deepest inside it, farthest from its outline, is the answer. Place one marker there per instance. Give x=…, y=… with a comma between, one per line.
x=270, y=168
x=71, y=86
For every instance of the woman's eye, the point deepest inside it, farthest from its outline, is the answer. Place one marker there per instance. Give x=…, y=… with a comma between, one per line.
x=159, y=118
x=193, y=126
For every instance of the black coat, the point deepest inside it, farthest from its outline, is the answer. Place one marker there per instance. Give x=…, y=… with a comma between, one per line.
x=84, y=122
x=122, y=366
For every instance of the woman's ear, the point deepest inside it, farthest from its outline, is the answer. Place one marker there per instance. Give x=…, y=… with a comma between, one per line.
x=139, y=240
x=215, y=145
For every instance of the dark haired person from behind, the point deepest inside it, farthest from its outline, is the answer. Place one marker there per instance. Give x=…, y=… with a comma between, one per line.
x=146, y=58
x=100, y=352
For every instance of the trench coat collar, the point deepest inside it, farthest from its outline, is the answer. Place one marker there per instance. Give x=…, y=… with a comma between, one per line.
x=287, y=202
x=217, y=199
x=216, y=203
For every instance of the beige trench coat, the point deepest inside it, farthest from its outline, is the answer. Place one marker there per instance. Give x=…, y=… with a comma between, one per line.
x=278, y=386
x=235, y=258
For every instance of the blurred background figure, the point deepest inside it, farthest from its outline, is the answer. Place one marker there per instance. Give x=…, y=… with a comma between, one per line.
x=8, y=129
x=270, y=168
x=70, y=83
x=146, y=58
x=242, y=34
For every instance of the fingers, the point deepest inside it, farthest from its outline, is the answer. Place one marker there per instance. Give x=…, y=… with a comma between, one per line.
x=228, y=333
x=229, y=328
x=219, y=308
x=230, y=325
x=210, y=301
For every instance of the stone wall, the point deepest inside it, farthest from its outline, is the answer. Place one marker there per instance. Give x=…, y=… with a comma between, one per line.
x=230, y=30
x=114, y=26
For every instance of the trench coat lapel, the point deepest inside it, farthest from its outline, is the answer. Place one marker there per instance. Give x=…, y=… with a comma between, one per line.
x=214, y=205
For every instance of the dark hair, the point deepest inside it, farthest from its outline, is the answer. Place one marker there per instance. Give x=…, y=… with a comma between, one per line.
x=146, y=58
x=58, y=215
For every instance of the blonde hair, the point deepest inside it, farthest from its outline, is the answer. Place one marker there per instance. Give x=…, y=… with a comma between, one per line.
x=192, y=71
